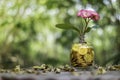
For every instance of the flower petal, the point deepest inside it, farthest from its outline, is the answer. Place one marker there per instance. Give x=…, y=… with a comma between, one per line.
x=88, y=14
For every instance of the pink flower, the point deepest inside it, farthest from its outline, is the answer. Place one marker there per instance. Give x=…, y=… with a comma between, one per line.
x=94, y=15
x=88, y=14
x=84, y=13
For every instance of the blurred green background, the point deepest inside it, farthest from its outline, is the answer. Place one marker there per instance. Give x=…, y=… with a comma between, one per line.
x=28, y=35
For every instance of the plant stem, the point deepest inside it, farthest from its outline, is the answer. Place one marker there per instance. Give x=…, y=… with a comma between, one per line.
x=82, y=33
x=86, y=21
x=84, y=26
x=82, y=39
x=81, y=28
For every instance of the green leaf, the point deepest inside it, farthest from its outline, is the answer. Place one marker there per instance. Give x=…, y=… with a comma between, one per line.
x=88, y=29
x=67, y=27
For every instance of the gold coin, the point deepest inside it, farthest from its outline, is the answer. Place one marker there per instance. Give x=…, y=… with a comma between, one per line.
x=83, y=51
x=88, y=57
x=75, y=47
x=83, y=64
x=80, y=60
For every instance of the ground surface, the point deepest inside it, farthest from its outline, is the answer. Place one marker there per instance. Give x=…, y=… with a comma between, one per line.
x=83, y=75
x=46, y=72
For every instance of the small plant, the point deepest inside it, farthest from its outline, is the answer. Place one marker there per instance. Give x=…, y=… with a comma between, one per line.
x=82, y=55
x=87, y=15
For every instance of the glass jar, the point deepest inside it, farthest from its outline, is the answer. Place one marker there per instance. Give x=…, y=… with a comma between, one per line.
x=81, y=56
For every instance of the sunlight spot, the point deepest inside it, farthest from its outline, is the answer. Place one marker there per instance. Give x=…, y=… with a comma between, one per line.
x=71, y=11
x=100, y=32
x=97, y=42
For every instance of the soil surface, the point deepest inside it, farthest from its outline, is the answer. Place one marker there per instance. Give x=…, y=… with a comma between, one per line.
x=82, y=75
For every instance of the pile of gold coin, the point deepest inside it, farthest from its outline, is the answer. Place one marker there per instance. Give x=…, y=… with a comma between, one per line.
x=81, y=55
